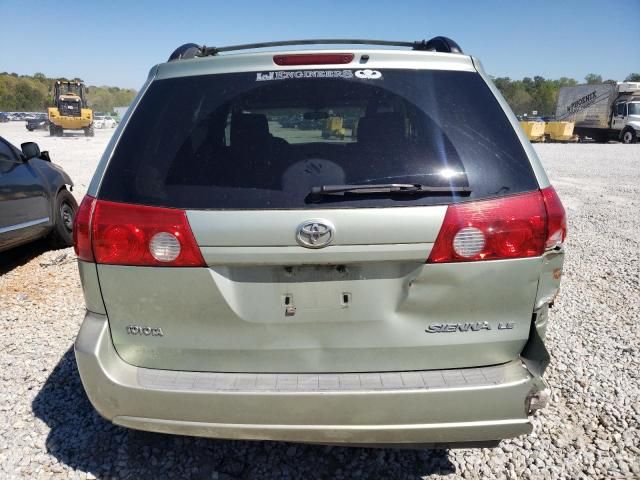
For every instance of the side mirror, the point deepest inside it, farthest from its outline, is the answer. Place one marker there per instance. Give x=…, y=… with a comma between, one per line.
x=30, y=150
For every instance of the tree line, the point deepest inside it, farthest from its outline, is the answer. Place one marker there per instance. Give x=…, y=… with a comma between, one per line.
x=541, y=94
x=25, y=93
x=34, y=93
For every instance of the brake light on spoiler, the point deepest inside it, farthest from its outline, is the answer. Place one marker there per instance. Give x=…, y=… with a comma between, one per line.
x=518, y=226
x=122, y=234
x=313, y=59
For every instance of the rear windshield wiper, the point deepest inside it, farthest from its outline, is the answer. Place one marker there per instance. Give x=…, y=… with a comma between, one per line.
x=403, y=188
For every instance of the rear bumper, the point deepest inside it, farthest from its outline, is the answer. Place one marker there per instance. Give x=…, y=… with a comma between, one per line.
x=431, y=407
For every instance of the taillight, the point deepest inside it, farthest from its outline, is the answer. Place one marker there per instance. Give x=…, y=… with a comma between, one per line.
x=313, y=59
x=509, y=227
x=123, y=234
x=556, y=218
x=81, y=229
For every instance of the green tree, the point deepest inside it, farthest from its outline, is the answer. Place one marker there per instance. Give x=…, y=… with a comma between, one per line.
x=593, y=78
x=633, y=77
x=528, y=94
x=35, y=93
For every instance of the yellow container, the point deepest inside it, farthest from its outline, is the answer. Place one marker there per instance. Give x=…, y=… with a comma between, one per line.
x=333, y=128
x=534, y=130
x=559, y=131
x=334, y=123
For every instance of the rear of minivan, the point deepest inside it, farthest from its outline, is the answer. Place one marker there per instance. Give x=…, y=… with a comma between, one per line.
x=323, y=247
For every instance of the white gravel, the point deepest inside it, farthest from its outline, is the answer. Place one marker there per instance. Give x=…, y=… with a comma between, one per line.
x=48, y=429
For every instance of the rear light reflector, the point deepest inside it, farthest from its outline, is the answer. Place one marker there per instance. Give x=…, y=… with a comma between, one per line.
x=313, y=59
x=82, y=229
x=509, y=227
x=123, y=234
x=556, y=218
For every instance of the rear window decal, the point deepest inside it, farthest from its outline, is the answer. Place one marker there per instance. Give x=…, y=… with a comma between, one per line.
x=285, y=75
x=369, y=74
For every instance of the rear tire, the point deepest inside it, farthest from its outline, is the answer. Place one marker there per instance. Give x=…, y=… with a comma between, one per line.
x=64, y=211
x=89, y=131
x=628, y=136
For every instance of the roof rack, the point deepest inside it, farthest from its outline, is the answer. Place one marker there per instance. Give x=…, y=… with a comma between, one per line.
x=436, y=44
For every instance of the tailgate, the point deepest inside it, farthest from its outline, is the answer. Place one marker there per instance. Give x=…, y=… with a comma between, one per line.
x=367, y=302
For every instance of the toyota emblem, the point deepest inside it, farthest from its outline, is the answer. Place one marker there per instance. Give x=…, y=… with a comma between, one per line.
x=315, y=233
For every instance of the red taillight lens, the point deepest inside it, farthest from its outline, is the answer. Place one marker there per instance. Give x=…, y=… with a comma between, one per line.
x=556, y=218
x=511, y=227
x=81, y=229
x=313, y=59
x=124, y=234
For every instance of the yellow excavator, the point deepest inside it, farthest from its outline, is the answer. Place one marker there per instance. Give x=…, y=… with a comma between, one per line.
x=70, y=111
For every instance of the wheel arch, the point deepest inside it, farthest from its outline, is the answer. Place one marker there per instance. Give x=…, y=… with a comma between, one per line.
x=57, y=180
x=634, y=128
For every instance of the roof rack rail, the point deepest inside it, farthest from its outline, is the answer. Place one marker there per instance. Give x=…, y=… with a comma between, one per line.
x=436, y=44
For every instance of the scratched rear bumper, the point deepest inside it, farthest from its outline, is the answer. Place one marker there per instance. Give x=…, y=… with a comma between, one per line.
x=397, y=408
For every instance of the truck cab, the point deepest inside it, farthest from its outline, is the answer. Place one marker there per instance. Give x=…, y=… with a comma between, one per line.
x=626, y=116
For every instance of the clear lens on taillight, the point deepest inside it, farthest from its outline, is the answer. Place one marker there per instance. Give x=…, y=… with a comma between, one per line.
x=81, y=229
x=164, y=246
x=509, y=227
x=469, y=242
x=124, y=234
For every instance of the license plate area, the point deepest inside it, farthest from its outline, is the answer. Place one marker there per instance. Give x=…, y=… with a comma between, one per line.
x=313, y=293
x=317, y=287
x=318, y=273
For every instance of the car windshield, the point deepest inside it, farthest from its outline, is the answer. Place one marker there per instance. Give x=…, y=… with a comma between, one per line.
x=265, y=139
x=634, y=108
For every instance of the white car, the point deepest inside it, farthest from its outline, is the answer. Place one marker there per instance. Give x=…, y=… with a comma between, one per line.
x=104, y=122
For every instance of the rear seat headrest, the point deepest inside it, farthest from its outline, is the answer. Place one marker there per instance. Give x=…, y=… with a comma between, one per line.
x=248, y=129
x=381, y=128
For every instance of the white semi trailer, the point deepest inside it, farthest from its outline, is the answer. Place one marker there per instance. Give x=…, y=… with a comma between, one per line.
x=602, y=112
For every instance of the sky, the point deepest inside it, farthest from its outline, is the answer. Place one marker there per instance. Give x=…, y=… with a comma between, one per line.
x=116, y=42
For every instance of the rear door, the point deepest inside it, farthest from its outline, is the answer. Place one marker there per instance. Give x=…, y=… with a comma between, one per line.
x=301, y=282
x=24, y=206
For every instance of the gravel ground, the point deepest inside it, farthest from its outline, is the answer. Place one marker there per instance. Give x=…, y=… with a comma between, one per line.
x=49, y=429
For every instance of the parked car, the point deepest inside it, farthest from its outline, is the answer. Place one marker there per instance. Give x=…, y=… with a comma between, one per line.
x=104, y=122
x=38, y=123
x=290, y=121
x=35, y=197
x=391, y=288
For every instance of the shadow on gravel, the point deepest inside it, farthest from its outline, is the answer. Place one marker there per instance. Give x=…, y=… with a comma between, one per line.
x=18, y=256
x=81, y=439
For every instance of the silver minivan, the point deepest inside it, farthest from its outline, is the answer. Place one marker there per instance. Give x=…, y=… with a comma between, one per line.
x=351, y=245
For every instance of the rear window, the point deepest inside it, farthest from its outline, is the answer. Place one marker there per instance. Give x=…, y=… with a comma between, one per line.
x=263, y=140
